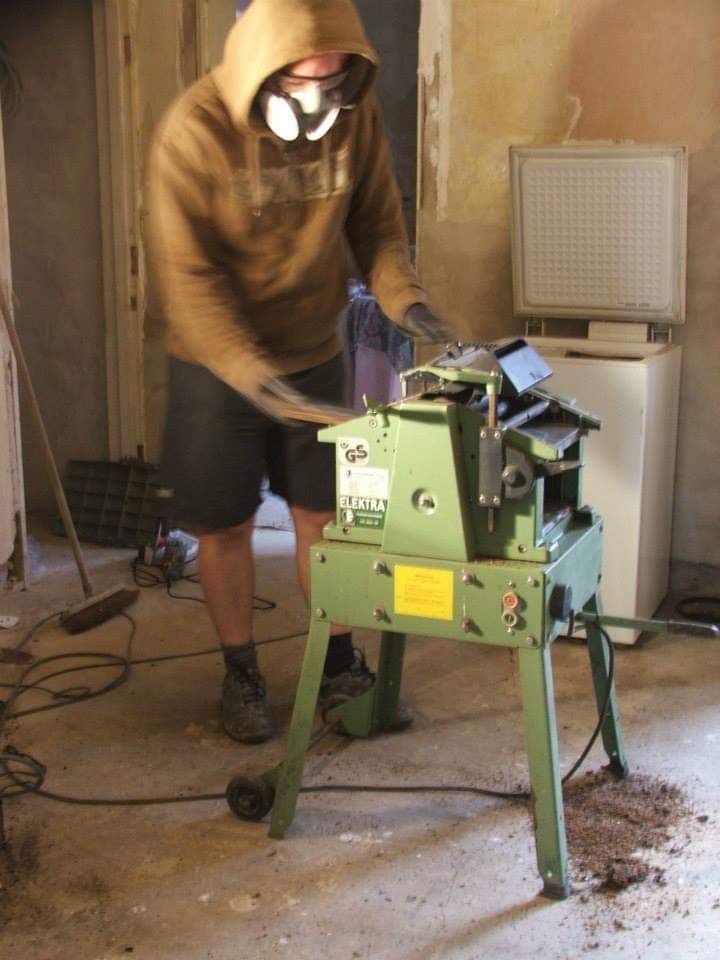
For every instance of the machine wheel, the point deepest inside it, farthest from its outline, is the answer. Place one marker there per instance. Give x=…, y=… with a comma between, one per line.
x=249, y=798
x=335, y=701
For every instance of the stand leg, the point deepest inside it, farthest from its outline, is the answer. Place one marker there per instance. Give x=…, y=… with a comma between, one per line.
x=546, y=789
x=389, y=680
x=288, y=784
x=599, y=661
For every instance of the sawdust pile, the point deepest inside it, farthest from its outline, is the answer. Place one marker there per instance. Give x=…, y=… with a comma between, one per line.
x=614, y=825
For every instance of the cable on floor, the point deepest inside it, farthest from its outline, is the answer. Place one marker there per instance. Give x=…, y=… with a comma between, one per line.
x=20, y=773
x=74, y=694
x=486, y=791
x=701, y=608
x=146, y=576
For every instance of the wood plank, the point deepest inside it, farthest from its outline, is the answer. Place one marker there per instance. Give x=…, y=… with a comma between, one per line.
x=120, y=191
x=13, y=530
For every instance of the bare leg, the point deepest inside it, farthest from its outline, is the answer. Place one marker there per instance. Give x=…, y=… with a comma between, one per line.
x=227, y=575
x=308, y=530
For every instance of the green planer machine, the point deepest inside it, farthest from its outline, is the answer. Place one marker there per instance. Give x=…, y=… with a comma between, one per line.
x=460, y=515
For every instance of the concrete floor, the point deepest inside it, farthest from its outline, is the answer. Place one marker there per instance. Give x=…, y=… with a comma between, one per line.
x=360, y=876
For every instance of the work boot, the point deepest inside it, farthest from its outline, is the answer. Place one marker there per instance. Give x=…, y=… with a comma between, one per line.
x=245, y=711
x=357, y=679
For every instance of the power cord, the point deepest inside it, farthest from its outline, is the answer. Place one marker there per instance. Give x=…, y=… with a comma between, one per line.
x=486, y=791
x=146, y=576
x=703, y=609
x=20, y=773
x=66, y=696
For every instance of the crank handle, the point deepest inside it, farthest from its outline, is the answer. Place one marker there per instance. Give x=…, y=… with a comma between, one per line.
x=652, y=626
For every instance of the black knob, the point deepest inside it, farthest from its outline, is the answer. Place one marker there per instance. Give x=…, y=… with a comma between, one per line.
x=513, y=476
x=561, y=607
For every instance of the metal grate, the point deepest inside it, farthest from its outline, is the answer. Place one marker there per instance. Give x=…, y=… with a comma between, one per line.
x=114, y=504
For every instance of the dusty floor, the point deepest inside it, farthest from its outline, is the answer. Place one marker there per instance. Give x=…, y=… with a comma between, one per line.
x=360, y=876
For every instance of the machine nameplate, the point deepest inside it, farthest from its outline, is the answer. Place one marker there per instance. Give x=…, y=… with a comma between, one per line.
x=363, y=495
x=424, y=592
x=363, y=512
x=367, y=482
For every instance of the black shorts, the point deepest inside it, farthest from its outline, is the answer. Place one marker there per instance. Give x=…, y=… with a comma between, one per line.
x=218, y=448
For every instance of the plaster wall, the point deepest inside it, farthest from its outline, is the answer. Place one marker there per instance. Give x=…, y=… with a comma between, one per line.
x=505, y=72
x=54, y=212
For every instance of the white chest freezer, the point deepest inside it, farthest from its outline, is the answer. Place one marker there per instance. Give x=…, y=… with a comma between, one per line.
x=630, y=473
x=599, y=250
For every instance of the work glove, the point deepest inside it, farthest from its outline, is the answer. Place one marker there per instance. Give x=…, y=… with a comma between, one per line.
x=278, y=400
x=419, y=321
x=260, y=383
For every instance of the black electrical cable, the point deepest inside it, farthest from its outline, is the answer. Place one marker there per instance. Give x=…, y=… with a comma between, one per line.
x=146, y=577
x=30, y=777
x=605, y=707
x=701, y=608
x=485, y=791
x=26, y=775
x=70, y=695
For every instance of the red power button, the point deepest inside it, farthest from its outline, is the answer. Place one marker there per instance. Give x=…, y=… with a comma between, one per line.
x=510, y=601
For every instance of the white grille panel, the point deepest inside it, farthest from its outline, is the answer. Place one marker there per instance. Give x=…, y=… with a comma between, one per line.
x=598, y=234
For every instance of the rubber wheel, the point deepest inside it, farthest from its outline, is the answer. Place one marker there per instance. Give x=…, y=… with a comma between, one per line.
x=335, y=701
x=249, y=798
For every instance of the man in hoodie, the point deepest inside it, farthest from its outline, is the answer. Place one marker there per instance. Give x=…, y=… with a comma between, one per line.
x=259, y=175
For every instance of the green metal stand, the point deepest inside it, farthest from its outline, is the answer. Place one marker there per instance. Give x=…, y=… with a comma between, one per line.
x=356, y=585
x=290, y=773
x=597, y=650
x=371, y=713
x=536, y=683
x=389, y=680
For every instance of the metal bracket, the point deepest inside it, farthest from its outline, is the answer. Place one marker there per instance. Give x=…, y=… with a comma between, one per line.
x=490, y=467
x=551, y=468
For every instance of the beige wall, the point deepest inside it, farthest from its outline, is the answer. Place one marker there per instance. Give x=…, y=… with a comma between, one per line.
x=54, y=208
x=501, y=72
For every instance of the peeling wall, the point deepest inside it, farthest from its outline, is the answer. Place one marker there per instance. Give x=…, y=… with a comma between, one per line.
x=54, y=209
x=492, y=74
x=505, y=72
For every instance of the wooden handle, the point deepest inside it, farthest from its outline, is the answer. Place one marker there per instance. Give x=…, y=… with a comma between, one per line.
x=67, y=520
x=325, y=414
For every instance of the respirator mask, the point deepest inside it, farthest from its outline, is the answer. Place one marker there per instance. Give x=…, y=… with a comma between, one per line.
x=293, y=106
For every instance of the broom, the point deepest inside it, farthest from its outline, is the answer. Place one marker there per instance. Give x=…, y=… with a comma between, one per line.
x=96, y=608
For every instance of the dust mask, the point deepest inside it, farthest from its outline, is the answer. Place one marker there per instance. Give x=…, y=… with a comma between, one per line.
x=293, y=106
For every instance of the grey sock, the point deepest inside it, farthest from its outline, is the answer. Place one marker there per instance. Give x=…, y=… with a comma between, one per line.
x=240, y=659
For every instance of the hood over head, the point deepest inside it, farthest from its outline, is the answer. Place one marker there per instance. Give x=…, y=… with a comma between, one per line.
x=271, y=34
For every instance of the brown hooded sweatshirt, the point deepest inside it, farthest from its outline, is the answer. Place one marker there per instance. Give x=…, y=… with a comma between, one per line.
x=247, y=231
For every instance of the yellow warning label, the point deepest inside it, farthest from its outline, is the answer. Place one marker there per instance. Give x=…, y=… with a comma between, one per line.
x=424, y=592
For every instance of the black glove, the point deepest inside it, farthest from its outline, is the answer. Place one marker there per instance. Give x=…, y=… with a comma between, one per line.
x=420, y=321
